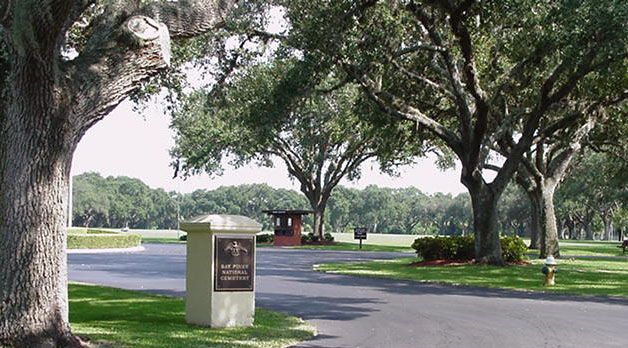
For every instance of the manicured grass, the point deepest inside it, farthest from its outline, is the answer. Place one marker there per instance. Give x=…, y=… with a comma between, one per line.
x=338, y=246
x=588, y=241
x=403, y=240
x=162, y=240
x=84, y=230
x=134, y=319
x=580, y=276
x=356, y=247
x=587, y=248
x=102, y=240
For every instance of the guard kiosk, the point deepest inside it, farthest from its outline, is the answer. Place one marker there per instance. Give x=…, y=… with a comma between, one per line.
x=220, y=271
x=287, y=224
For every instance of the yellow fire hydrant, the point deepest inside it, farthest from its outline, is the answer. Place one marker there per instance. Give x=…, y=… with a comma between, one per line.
x=549, y=270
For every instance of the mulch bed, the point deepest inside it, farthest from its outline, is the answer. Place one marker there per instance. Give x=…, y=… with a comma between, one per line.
x=457, y=263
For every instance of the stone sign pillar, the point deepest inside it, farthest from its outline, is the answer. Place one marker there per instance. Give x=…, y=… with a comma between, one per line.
x=220, y=273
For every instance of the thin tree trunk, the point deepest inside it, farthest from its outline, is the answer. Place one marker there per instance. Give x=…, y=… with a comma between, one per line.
x=535, y=223
x=588, y=231
x=548, y=236
x=571, y=227
x=608, y=227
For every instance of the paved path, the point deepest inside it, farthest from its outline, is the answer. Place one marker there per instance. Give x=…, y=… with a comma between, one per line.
x=359, y=312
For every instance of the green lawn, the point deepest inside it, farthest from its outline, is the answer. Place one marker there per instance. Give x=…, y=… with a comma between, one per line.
x=587, y=248
x=162, y=240
x=579, y=276
x=337, y=246
x=134, y=319
x=356, y=247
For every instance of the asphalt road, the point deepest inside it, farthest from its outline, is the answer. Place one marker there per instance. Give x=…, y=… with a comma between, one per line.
x=360, y=312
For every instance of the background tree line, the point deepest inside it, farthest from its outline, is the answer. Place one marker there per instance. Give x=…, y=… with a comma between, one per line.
x=590, y=204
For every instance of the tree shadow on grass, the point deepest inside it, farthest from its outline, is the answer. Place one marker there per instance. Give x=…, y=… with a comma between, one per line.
x=151, y=321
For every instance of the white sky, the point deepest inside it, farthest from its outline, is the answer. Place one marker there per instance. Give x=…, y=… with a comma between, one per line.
x=126, y=143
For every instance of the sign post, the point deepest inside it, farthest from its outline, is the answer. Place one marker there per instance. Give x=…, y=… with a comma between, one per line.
x=359, y=233
x=220, y=273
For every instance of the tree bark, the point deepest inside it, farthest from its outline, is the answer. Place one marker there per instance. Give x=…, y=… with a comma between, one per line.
x=543, y=204
x=319, y=223
x=486, y=225
x=535, y=224
x=587, y=228
x=318, y=203
x=35, y=158
x=47, y=104
x=608, y=226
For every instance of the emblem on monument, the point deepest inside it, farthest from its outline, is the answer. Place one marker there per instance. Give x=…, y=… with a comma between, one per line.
x=235, y=248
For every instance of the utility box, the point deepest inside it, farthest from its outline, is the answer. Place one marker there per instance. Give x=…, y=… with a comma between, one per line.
x=220, y=270
x=287, y=225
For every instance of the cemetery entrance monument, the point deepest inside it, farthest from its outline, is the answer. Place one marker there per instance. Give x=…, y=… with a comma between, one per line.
x=220, y=273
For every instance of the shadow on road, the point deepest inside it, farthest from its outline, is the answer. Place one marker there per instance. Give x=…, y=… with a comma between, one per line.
x=317, y=307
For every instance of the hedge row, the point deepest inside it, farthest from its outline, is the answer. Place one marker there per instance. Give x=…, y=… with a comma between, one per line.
x=103, y=241
x=83, y=230
x=265, y=238
x=462, y=248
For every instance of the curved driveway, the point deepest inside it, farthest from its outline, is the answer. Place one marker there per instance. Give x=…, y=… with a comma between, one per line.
x=360, y=312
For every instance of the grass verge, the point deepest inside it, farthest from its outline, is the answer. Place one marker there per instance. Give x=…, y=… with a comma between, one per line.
x=591, y=248
x=134, y=319
x=356, y=247
x=102, y=240
x=162, y=240
x=337, y=246
x=580, y=276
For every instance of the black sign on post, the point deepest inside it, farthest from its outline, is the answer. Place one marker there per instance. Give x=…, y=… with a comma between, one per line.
x=359, y=233
x=234, y=263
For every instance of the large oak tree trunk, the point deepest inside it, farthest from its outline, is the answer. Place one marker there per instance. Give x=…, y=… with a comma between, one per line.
x=46, y=104
x=35, y=157
x=318, y=203
x=319, y=223
x=485, y=225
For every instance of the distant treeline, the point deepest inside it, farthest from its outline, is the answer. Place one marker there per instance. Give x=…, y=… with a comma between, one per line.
x=589, y=204
x=126, y=202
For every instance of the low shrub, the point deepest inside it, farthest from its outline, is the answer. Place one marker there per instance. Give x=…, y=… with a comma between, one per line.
x=265, y=238
x=513, y=248
x=183, y=237
x=329, y=237
x=309, y=238
x=445, y=248
x=461, y=248
x=103, y=241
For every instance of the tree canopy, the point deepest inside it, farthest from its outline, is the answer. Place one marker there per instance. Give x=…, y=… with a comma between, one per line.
x=475, y=74
x=264, y=113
